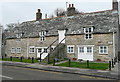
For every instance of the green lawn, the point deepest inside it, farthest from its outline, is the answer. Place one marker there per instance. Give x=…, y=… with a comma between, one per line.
x=98, y=66
x=18, y=60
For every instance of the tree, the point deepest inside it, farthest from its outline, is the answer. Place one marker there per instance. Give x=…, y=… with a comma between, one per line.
x=62, y=12
x=11, y=26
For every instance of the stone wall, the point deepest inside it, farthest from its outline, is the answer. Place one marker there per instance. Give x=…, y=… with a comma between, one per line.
x=24, y=44
x=98, y=40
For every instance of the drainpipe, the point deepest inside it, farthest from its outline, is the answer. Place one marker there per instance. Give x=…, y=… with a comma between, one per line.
x=113, y=44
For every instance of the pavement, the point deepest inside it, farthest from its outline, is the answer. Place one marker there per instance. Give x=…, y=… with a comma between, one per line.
x=113, y=74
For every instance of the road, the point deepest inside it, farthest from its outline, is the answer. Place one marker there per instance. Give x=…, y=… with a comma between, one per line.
x=19, y=73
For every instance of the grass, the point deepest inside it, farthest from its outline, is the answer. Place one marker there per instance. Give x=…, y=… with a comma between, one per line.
x=98, y=66
x=18, y=60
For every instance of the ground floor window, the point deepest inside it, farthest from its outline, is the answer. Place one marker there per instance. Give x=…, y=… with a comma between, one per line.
x=31, y=49
x=45, y=50
x=85, y=49
x=70, y=48
x=13, y=50
x=103, y=49
x=18, y=50
x=81, y=49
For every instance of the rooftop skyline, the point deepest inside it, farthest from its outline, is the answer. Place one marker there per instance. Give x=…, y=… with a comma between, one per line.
x=20, y=11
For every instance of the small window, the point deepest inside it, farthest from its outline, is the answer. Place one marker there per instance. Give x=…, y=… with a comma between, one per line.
x=88, y=30
x=81, y=49
x=31, y=50
x=45, y=50
x=70, y=49
x=42, y=38
x=18, y=50
x=18, y=35
x=39, y=50
x=13, y=50
x=88, y=36
x=103, y=50
x=42, y=33
x=89, y=49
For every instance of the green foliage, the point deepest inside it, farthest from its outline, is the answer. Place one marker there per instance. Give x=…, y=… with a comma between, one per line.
x=98, y=66
x=18, y=60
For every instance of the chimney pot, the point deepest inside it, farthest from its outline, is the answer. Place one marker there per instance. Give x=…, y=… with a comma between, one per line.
x=72, y=5
x=38, y=10
x=69, y=5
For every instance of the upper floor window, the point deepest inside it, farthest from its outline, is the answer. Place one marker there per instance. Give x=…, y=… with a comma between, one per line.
x=19, y=35
x=88, y=30
x=88, y=33
x=103, y=50
x=42, y=35
x=88, y=36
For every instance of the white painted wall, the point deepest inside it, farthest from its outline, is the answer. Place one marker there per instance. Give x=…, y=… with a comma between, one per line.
x=61, y=35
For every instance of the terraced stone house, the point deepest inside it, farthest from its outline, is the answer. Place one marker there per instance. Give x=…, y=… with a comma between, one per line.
x=87, y=36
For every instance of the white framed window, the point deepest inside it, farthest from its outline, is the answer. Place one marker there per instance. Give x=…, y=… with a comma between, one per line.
x=18, y=50
x=103, y=49
x=13, y=50
x=45, y=50
x=31, y=49
x=39, y=50
x=88, y=33
x=89, y=49
x=18, y=35
x=88, y=36
x=42, y=38
x=70, y=48
x=81, y=49
x=88, y=30
x=42, y=35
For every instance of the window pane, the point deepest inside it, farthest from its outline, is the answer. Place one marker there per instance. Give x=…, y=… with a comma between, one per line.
x=45, y=50
x=81, y=49
x=39, y=50
x=89, y=49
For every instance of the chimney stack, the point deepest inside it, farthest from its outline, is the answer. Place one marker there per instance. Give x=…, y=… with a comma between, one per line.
x=69, y=5
x=115, y=4
x=38, y=15
x=70, y=10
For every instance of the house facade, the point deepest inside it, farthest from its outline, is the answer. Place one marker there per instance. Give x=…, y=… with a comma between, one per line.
x=87, y=36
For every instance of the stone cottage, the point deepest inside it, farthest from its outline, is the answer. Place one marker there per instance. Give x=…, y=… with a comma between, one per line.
x=87, y=36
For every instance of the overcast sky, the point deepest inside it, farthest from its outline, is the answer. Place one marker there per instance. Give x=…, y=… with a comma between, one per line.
x=14, y=11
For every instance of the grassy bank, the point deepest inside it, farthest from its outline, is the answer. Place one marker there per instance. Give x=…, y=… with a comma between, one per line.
x=18, y=60
x=98, y=66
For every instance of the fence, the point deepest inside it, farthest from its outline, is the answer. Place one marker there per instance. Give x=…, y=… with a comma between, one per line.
x=19, y=59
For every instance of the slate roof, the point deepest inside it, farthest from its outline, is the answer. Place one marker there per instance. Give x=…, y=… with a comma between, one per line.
x=103, y=22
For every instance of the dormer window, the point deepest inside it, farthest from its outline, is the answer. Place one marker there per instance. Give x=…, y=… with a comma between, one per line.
x=88, y=30
x=19, y=35
x=88, y=33
x=42, y=35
